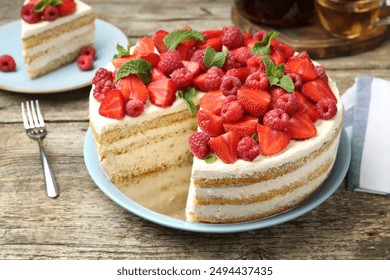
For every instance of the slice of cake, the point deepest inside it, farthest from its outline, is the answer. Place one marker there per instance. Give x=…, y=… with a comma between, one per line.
x=53, y=33
x=264, y=136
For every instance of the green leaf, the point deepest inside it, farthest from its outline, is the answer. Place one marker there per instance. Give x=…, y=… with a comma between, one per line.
x=263, y=47
x=269, y=65
x=213, y=58
x=287, y=84
x=188, y=96
x=136, y=66
x=278, y=71
x=210, y=158
x=255, y=137
x=273, y=81
x=145, y=78
x=45, y=3
x=173, y=39
x=122, y=51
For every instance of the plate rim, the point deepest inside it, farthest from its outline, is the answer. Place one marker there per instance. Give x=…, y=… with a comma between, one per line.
x=337, y=175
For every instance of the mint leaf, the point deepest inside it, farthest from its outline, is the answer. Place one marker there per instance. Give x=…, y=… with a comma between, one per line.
x=278, y=71
x=145, y=78
x=273, y=81
x=269, y=65
x=135, y=66
x=122, y=51
x=263, y=47
x=255, y=137
x=173, y=39
x=213, y=58
x=188, y=96
x=287, y=83
x=275, y=75
x=210, y=158
x=45, y=3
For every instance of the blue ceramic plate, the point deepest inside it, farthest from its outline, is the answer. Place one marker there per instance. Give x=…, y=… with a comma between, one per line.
x=66, y=78
x=330, y=186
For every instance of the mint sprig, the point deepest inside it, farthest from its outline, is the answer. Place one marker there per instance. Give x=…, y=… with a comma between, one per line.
x=214, y=58
x=45, y=3
x=173, y=39
x=188, y=95
x=210, y=158
x=122, y=51
x=135, y=66
x=263, y=47
x=275, y=75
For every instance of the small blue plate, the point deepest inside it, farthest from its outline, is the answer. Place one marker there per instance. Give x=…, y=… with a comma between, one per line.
x=329, y=187
x=66, y=78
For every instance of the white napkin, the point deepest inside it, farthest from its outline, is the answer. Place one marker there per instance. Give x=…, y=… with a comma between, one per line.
x=367, y=122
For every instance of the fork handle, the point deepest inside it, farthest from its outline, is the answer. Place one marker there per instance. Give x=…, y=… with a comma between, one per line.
x=51, y=185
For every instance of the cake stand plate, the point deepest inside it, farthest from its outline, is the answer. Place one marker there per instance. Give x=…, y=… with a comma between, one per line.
x=334, y=180
x=69, y=77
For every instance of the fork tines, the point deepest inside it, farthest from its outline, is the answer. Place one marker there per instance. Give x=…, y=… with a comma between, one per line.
x=34, y=117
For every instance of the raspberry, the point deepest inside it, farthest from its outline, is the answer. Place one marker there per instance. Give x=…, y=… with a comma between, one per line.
x=85, y=62
x=182, y=77
x=276, y=93
x=248, y=149
x=102, y=74
x=297, y=80
x=101, y=89
x=198, y=57
x=7, y=63
x=230, y=98
x=232, y=37
x=199, y=144
x=89, y=50
x=276, y=119
x=170, y=61
x=257, y=80
x=256, y=63
x=242, y=55
x=321, y=73
x=28, y=14
x=288, y=103
x=230, y=85
x=232, y=111
x=134, y=107
x=231, y=61
x=213, y=78
x=327, y=108
x=50, y=13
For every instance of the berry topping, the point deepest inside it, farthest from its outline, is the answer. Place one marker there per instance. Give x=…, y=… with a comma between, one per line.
x=232, y=37
x=210, y=123
x=50, y=13
x=248, y=149
x=230, y=85
x=7, y=63
x=198, y=57
x=316, y=90
x=158, y=39
x=89, y=50
x=301, y=64
x=245, y=127
x=256, y=63
x=301, y=127
x=271, y=141
x=157, y=74
x=192, y=66
x=276, y=119
x=215, y=43
x=307, y=106
x=297, y=79
x=254, y=101
x=199, y=82
x=162, y=93
x=182, y=77
x=321, y=73
x=208, y=34
x=232, y=111
x=29, y=15
x=241, y=73
x=257, y=80
x=113, y=105
x=327, y=108
x=102, y=87
x=66, y=7
x=133, y=88
x=170, y=61
x=288, y=103
x=134, y=107
x=242, y=55
x=213, y=78
x=231, y=61
x=145, y=45
x=225, y=146
x=213, y=101
x=102, y=74
x=199, y=144
x=85, y=62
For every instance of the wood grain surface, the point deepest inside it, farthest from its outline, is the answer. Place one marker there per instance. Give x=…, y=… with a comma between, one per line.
x=84, y=224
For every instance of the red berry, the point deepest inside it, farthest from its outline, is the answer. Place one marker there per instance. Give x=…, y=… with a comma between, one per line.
x=89, y=50
x=28, y=14
x=102, y=87
x=198, y=57
x=256, y=63
x=134, y=107
x=241, y=73
x=276, y=119
x=213, y=78
x=276, y=93
x=225, y=146
x=245, y=127
x=327, y=108
x=232, y=37
x=169, y=62
x=257, y=80
x=242, y=55
x=288, y=103
x=254, y=101
x=133, y=88
x=85, y=62
x=213, y=101
x=230, y=85
x=66, y=7
x=199, y=144
x=182, y=77
x=321, y=72
x=210, y=123
x=317, y=89
x=162, y=93
x=259, y=35
x=7, y=63
x=232, y=111
x=231, y=61
x=248, y=149
x=102, y=74
x=301, y=64
x=272, y=141
x=300, y=126
x=297, y=80
x=50, y=13
x=113, y=105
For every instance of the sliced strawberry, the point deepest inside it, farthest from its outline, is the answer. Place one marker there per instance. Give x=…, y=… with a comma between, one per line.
x=133, y=88
x=302, y=65
x=157, y=38
x=250, y=42
x=301, y=127
x=192, y=66
x=271, y=141
x=157, y=74
x=254, y=101
x=316, y=90
x=152, y=58
x=245, y=127
x=162, y=93
x=208, y=34
x=247, y=36
x=285, y=49
x=225, y=146
x=113, y=105
x=66, y=7
x=144, y=45
x=213, y=101
x=185, y=51
x=306, y=105
x=241, y=73
x=199, y=82
x=215, y=43
x=210, y=123
x=117, y=62
x=277, y=56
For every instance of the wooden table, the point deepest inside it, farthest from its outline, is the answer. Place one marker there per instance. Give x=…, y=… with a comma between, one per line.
x=82, y=223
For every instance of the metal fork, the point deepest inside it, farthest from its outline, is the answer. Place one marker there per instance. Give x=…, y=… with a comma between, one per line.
x=35, y=129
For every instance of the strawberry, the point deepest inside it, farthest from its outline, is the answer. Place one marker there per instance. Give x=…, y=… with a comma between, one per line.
x=66, y=7
x=192, y=66
x=113, y=105
x=157, y=38
x=152, y=58
x=162, y=93
x=157, y=74
x=245, y=127
x=254, y=101
x=316, y=90
x=249, y=42
x=247, y=35
x=213, y=101
x=301, y=64
x=199, y=82
x=277, y=56
x=271, y=141
x=215, y=43
x=208, y=34
x=306, y=105
x=210, y=123
x=301, y=127
x=133, y=88
x=185, y=51
x=143, y=46
x=225, y=146
x=285, y=49
x=117, y=62
x=241, y=73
